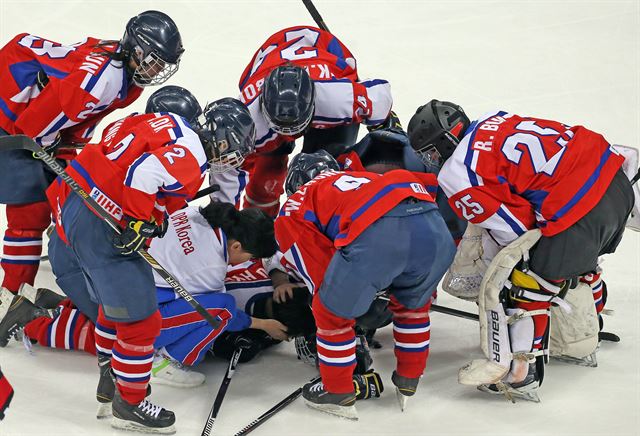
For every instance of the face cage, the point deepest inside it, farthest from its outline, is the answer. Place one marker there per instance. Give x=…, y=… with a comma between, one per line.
x=306, y=350
x=226, y=162
x=288, y=130
x=431, y=157
x=153, y=71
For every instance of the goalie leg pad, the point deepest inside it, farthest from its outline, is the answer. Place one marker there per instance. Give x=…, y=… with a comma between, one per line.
x=494, y=336
x=575, y=334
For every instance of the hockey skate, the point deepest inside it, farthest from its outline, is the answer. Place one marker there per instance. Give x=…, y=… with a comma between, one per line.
x=526, y=389
x=41, y=297
x=145, y=417
x=107, y=387
x=168, y=371
x=405, y=388
x=342, y=405
x=15, y=312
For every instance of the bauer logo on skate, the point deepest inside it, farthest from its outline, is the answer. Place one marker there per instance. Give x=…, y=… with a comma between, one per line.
x=110, y=206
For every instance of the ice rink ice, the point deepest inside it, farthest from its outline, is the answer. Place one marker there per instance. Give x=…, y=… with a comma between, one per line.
x=573, y=61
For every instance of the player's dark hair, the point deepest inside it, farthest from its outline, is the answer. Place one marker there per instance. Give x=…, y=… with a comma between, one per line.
x=251, y=227
x=104, y=48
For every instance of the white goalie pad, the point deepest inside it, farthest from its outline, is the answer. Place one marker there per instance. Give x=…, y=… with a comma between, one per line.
x=473, y=256
x=494, y=333
x=575, y=334
x=630, y=168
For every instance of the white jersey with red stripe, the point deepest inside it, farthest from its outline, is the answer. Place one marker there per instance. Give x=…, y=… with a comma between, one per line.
x=193, y=252
x=196, y=255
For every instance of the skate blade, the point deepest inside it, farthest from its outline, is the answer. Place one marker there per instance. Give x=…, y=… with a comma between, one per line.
x=346, y=412
x=589, y=361
x=512, y=394
x=104, y=411
x=123, y=424
x=402, y=399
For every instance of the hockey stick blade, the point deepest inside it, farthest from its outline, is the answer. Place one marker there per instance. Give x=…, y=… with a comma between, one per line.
x=315, y=15
x=18, y=142
x=275, y=409
x=52, y=163
x=222, y=391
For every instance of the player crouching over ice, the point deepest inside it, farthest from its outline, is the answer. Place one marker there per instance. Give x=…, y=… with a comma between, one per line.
x=555, y=198
x=350, y=235
x=145, y=167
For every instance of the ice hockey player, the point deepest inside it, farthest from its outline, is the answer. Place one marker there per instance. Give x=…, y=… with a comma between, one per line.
x=301, y=82
x=57, y=94
x=329, y=232
x=145, y=167
x=555, y=198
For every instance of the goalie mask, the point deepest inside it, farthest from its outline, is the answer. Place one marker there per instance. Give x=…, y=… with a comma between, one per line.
x=227, y=134
x=435, y=130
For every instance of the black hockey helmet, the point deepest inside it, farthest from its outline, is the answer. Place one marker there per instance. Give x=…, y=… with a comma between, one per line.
x=287, y=99
x=152, y=39
x=227, y=134
x=177, y=100
x=435, y=131
x=304, y=167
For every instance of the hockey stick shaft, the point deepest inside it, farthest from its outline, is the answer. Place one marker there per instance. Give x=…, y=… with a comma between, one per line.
x=222, y=391
x=455, y=312
x=201, y=193
x=26, y=143
x=275, y=409
x=315, y=15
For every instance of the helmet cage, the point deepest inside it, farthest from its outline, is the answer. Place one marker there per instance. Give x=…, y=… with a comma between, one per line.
x=306, y=349
x=288, y=129
x=152, y=70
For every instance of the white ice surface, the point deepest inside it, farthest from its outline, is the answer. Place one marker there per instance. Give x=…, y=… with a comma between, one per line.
x=574, y=61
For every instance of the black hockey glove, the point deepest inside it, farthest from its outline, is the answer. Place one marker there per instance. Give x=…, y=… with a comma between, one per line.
x=367, y=385
x=391, y=123
x=135, y=234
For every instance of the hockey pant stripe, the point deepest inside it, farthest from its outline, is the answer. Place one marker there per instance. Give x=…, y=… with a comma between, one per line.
x=23, y=243
x=411, y=334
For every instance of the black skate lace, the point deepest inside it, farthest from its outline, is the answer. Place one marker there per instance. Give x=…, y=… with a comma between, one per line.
x=149, y=408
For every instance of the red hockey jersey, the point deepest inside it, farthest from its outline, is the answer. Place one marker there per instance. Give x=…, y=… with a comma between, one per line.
x=340, y=97
x=331, y=211
x=511, y=174
x=83, y=87
x=146, y=166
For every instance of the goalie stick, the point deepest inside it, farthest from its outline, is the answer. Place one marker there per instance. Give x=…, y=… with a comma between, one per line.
x=315, y=15
x=275, y=409
x=222, y=391
x=23, y=142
